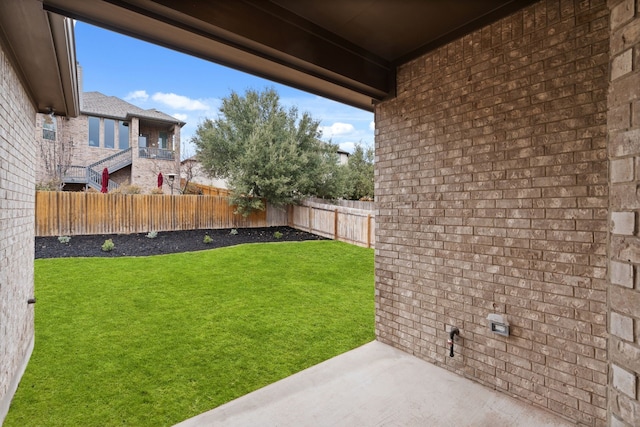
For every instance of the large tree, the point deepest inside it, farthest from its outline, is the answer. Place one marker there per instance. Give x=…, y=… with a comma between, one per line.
x=265, y=151
x=361, y=173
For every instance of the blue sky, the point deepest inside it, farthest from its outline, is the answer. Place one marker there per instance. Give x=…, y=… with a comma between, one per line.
x=190, y=89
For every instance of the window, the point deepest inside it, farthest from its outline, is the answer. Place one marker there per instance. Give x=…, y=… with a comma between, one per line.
x=49, y=128
x=94, y=132
x=162, y=140
x=123, y=135
x=109, y=133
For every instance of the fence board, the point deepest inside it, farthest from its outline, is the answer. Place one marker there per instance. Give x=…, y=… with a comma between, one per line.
x=351, y=225
x=68, y=213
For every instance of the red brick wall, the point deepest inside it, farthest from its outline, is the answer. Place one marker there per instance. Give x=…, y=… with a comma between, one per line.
x=624, y=152
x=492, y=190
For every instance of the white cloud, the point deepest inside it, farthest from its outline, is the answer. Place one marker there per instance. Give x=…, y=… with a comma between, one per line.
x=348, y=146
x=337, y=129
x=330, y=114
x=137, y=95
x=181, y=117
x=372, y=125
x=179, y=102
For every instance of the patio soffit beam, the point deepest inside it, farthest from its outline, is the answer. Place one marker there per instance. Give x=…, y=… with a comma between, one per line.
x=255, y=37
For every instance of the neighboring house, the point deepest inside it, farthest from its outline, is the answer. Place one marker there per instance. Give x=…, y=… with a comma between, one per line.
x=134, y=144
x=191, y=170
x=343, y=156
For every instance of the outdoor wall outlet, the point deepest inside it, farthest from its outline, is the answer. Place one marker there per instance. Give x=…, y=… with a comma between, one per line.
x=498, y=324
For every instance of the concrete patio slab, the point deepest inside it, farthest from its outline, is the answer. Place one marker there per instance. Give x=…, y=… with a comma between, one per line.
x=376, y=385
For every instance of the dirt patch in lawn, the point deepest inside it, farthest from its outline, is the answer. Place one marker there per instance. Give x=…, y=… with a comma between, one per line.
x=166, y=242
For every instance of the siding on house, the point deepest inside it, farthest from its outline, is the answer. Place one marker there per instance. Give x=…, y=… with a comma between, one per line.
x=492, y=196
x=17, y=210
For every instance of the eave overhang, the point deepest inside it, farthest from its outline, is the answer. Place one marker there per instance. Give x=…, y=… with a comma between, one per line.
x=41, y=45
x=358, y=79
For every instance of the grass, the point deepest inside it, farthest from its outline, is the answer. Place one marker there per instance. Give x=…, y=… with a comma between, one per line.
x=152, y=341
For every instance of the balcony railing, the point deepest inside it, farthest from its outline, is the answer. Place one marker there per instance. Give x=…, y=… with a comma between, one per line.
x=74, y=174
x=156, y=153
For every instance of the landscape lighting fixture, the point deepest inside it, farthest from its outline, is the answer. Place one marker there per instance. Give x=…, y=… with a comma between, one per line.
x=171, y=177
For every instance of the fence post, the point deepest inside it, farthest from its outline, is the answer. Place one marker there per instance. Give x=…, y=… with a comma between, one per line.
x=335, y=225
x=369, y=230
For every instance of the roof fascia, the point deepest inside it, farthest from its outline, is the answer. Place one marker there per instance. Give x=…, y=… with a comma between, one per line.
x=42, y=47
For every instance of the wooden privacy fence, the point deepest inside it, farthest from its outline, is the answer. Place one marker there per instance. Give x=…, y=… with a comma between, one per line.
x=351, y=225
x=61, y=213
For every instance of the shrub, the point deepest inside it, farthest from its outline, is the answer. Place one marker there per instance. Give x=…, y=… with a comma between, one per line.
x=127, y=189
x=51, y=185
x=108, y=245
x=192, y=189
x=207, y=239
x=277, y=235
x=152, y=234
x=233, y=231
x=156, y=191
x=64, y=239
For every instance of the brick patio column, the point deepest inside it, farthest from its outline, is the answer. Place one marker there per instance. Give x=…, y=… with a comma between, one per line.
x=623, y=124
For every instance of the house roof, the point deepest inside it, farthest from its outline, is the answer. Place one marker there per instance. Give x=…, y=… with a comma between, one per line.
x=96, y=103
x=193, y=158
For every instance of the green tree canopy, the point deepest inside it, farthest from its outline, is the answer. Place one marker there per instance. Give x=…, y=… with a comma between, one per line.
x=265, y=151
x=361, y=173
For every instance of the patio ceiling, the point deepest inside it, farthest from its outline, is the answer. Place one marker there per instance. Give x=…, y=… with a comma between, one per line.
x=346, y=50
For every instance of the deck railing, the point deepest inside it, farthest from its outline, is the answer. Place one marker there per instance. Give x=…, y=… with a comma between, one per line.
x=92, y=174
x=156, y=153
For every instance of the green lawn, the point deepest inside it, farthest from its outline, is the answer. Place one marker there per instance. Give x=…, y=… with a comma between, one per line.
x=152, y=341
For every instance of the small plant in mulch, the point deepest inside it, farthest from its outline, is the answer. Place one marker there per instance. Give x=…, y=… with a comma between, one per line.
x=152, y=234
x=277, y=235
x=64, y=239
x=108, y=245
x=233, y=231
x=207, y=239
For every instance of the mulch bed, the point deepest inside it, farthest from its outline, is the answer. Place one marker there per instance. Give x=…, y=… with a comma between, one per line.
x=166, y=242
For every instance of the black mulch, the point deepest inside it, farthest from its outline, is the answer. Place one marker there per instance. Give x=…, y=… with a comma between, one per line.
x=166, y=242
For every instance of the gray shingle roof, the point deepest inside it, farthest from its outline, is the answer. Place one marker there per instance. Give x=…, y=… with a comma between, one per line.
x=96, y=103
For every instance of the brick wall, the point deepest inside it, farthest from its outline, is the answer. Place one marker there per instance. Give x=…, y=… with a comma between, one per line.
x=74, y=129
x=17, y=210
x=624, y=152
x=492, y=191
x=143, y=173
